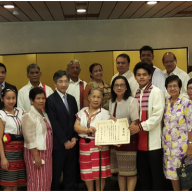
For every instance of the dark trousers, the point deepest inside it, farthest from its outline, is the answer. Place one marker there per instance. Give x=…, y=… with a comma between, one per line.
x=150, y=170
x=64, y=161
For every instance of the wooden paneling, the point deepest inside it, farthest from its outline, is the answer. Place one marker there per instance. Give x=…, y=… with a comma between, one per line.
x=119, y=9
x=42, y=10
x=68, y=7
x=6, y=14
x=28, y=10
x=133, y=7
x=142, y=10
x=167, y=9
x=16, y=68
x=156, y=8
x=106, y=9
x=55, y=9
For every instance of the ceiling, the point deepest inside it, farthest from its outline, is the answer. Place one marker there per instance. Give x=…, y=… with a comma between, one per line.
x=66, y=10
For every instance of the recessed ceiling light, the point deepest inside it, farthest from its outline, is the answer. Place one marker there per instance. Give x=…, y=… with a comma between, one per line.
x=81, y=10
x=9, y=6
x=151, y=2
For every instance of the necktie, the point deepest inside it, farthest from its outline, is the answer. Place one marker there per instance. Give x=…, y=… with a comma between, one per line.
x=65, y=102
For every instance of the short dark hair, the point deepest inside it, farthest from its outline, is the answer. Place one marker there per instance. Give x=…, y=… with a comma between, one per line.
x=35, y=91
x=172, y=78
x=167, y=53
x=189, y=82
x=127, y=92
x=142, y=65
x=124, y=55
x=146, y=48
x=58, y=74
x=31, y=66
x=2, y=65
x=92, y=66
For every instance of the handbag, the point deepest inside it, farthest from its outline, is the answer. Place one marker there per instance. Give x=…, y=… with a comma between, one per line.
x=185, y=174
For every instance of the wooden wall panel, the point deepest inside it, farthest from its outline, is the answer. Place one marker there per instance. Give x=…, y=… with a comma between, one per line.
x=50, y=63
x=16, y=68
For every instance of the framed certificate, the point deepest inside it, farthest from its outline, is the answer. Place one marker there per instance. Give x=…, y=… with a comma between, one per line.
x=111, y=133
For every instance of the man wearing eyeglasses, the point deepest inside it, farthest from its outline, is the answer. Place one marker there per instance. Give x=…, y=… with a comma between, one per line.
x=122, y=64
x=3, y=84
x=170, y=63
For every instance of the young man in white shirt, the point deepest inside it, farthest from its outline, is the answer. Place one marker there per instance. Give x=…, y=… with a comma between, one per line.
x=149, y=154
x=122, y=64
x=34, y=74
x=170, y=63
x=76, y=85
x=147, y=56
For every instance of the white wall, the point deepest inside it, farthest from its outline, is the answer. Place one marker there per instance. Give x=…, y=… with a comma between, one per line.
x=94, y=35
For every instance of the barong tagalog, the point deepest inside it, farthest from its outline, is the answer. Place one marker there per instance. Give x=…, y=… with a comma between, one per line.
x=109, y=132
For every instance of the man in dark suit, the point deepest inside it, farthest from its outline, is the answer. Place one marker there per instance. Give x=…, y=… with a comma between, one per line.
x=61, y=109
x=3, y=84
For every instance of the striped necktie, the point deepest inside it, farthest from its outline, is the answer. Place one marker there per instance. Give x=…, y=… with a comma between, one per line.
x=66, y=103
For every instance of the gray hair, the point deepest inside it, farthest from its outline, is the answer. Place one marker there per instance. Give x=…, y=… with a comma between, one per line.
x=57, y=75
x=74, y=61
x=31, y=66
x=95, y=88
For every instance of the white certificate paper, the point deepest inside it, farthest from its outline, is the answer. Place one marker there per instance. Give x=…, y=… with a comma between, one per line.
x=110, y=133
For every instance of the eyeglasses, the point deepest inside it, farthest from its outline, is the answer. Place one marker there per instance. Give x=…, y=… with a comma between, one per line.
x=173, y=86
x=189, y=88
x=121, y=85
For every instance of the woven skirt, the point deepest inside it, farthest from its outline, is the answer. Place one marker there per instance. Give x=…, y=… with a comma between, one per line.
x=16, y=174
x=89, y=161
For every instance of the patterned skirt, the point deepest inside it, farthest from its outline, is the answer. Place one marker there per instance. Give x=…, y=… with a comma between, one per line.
x=123, y=159
x=16, y=174
x=40, y=179
x=89, y=161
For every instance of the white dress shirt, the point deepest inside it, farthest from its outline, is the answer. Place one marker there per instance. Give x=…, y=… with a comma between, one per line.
x=23, y=100
x=158, y=79
x=184, y=78
x=131, y=79
x=74, y=90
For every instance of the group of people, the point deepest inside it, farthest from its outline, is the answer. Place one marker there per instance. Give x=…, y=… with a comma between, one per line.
x=44, y=134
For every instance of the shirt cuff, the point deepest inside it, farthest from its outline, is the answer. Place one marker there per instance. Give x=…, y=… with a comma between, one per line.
x=140, y=127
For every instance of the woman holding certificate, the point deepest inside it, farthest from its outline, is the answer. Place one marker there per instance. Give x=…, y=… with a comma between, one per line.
x=89, y=153
x=123, y=157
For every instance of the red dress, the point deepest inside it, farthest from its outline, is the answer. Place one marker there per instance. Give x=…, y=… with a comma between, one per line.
x=40, y=179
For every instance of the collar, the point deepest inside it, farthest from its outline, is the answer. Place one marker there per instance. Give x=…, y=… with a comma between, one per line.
x=61, y=94
x=31, y=86
x=174, y=72
x=3, y=85
x=87, y=111
x=37, y=113
x=9, y=114
x=77, y=82
x=146, y=87
x=178, y=99
x=128, y=73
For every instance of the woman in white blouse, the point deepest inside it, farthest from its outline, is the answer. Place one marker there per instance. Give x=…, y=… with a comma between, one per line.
x=38, y=143
x=89, y=152
x=123, y=157
x=12, y=171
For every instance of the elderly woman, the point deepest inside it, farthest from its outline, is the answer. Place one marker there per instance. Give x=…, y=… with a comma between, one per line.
x=96, y=73
x=123, y=158
x=89, y=153
x=38, y=143
x=177, y=130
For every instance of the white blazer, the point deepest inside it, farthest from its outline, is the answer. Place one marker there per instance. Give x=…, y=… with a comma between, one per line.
x=34, y=129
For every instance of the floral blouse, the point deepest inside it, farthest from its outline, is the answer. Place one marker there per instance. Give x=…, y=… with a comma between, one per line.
x=177, y=124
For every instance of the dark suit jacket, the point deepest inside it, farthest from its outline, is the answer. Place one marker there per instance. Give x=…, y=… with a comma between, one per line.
x=9, y=86
x=62, y=122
